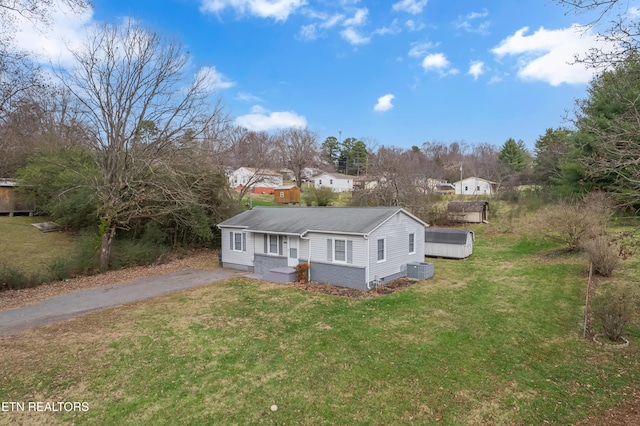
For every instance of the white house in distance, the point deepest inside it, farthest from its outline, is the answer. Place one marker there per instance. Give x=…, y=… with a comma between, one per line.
x=356, y=247
x=474, y=186
x=259, y=180
x=336, y=181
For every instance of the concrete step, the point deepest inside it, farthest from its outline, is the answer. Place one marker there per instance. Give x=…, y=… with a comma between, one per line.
x=280, y=275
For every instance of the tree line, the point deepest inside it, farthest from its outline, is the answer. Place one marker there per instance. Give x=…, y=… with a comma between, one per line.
x=129, y=141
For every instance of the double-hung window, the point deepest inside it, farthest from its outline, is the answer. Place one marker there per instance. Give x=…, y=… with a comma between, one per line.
x=381, y=250
x=412, y=243
x=273, y=244
x=340, y=250
x=238, y=241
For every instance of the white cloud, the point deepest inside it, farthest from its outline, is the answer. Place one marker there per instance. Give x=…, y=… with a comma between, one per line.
x=547, y=55
x=359, y=18
x=414, y=26
x=384, y=103
x=413, y=7
x=438, y=62
x=261, y=119
x=476, y=69
x=214, y=80
x=308, y=32
x=332, y=21
x=468, y=22
x=248, y=97
x=276, y=9
x=353, y=36
x=394, y=28
x=52, y=43
x=418, y=50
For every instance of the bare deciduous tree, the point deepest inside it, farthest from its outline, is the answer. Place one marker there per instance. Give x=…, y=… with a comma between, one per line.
x=19, y=75
x=299, y=148
x=254, y=150
x=620, y=39
x=128, y=81
x=398, y=178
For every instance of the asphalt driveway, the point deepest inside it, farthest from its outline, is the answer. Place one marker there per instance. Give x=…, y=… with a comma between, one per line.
x=70, y=305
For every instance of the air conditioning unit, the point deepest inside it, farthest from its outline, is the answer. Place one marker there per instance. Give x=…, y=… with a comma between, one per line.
x=420, y=270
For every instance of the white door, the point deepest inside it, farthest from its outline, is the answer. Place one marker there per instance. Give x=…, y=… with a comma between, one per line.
x=293, y=251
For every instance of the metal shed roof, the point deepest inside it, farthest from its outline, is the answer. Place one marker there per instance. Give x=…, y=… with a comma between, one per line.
x=467, y=206
x=447, y=236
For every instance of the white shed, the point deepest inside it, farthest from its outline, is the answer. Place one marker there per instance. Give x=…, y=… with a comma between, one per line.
x=451, y=243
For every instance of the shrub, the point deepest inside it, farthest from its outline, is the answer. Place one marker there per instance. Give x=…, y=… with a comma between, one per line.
x=570, y=222
x=603, y=252
x=612, y=313
x=13, y=279
x=126, y=253
x=302, y=271
x=319, y=196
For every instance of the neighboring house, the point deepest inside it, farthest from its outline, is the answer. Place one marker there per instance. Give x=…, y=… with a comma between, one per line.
x=287, y=194
x=451, y=243
x=345, y=246
x=474, y=186
x=12, y=201
x=469, y=212
x=444, y=188
x=260, y=181
x=364, y=183
x=336, y=181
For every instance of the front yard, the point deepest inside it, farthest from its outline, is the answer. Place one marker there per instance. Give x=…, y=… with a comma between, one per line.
x=494, y=339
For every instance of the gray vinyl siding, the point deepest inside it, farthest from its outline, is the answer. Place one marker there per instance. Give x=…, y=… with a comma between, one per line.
x=303, y=249
x=319, y=248
x=231, y=257
x=396, y=231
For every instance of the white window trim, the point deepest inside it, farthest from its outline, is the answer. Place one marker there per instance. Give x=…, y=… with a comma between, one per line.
x=384, y=259
x=345, y=251
x=414, y=243
x=277, y=237
x=233, y=235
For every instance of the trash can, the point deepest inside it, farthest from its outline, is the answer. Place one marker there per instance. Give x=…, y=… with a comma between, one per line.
x=220, y=259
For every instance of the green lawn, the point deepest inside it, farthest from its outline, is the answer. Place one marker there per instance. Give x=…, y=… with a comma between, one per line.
x=494, y=339
x=25, y=248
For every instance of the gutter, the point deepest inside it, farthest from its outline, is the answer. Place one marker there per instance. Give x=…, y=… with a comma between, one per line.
x=366, y=267
x=302, y=237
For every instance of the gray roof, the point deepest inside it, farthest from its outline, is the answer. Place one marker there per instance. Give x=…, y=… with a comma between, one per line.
x=467, y=206
x=446, y=236
x=299, y=220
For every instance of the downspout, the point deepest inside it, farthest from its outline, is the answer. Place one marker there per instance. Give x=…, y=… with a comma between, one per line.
x=366, y=267
x=308, y=256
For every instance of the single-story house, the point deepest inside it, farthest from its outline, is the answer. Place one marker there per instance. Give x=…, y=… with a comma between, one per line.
x=474, y=186
x=11, y=201
x=356, y=247
x=336, y=181
x=451, y=243
x=260, y=181
x=468, y=211
x=287, y=194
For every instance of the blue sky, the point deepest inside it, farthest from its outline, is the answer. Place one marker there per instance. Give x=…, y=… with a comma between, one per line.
x=397, y=73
